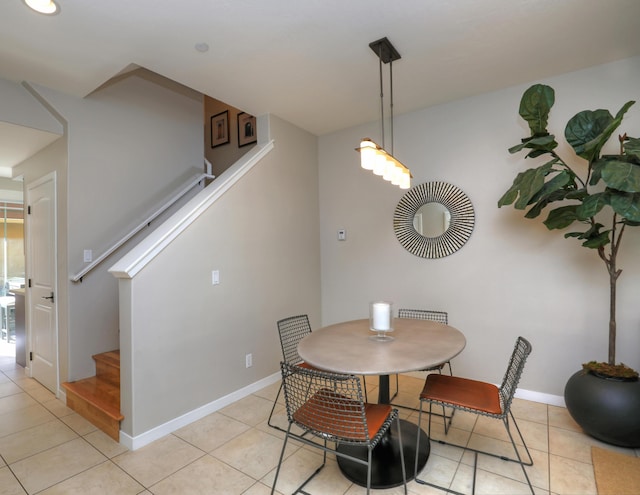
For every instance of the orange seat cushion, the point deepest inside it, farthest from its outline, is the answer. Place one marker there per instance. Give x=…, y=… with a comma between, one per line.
x=462, y=392
x=334, y=414
x=302, y=364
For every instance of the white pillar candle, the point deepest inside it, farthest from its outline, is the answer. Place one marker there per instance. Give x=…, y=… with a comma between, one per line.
x=381, y=316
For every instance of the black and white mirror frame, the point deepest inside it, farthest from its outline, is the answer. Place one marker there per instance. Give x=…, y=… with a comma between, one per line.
x=460, y=227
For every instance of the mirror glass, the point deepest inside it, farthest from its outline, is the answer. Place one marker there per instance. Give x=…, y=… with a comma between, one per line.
x=434, y=219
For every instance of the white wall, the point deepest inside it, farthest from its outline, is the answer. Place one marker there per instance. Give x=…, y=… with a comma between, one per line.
x=127, y=143
x=513, y=277
x=188, y=344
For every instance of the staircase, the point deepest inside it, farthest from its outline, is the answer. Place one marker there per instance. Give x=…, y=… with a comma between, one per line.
x=97, y=398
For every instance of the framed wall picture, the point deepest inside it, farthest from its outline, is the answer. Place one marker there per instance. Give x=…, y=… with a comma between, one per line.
x=246, y=129
x=220, y=129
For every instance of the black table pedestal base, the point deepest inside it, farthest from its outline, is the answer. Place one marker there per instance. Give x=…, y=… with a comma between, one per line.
x=386, y=471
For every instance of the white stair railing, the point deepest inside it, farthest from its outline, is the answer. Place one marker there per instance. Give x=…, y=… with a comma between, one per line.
x=184, y=190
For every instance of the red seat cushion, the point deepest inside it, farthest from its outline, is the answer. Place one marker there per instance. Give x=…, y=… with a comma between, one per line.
x=462, y=392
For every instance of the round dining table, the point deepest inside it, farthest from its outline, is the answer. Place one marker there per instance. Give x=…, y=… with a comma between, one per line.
x=351, y=347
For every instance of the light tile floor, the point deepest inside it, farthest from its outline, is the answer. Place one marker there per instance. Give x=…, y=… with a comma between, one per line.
x=46, y=448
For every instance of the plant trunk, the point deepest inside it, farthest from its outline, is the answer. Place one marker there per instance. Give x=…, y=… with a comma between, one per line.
x=612, y=316
x=613, y=280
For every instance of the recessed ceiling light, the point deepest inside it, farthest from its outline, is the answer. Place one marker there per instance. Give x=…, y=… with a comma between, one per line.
x=202, y=47
x=48, y=7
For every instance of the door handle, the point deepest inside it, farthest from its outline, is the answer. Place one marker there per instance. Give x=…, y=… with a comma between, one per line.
x=50, y=298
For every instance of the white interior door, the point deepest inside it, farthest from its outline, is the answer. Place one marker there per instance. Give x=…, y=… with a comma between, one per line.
x=42, y=319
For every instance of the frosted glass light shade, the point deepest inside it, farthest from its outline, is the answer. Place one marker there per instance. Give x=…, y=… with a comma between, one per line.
x=405, y=181
x=367, y=154
x=388, y=171
x=380, y=165
x=376, y=159
x=397, y=176
x=43, y=6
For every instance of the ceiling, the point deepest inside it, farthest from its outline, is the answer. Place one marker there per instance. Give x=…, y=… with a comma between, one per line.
x=308, y=61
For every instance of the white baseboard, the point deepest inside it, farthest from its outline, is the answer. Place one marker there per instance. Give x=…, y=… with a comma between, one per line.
x=133, y=443
x=552, y=400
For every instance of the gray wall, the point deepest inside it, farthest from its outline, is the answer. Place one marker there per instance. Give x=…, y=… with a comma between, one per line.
x=19, y=107
x=188, y=344
x=513, y=277
x=127, y=144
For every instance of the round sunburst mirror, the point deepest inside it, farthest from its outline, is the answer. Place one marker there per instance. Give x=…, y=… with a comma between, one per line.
x=434, y=219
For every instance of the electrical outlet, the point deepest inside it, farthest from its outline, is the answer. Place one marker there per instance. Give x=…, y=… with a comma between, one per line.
x=248, y=360
x=342, y=235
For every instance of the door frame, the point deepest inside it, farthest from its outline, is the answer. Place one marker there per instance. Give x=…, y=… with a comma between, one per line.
x=51, y=176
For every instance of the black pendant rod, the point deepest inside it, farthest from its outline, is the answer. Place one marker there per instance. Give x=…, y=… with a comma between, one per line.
x=381, y=95
x=386, y=54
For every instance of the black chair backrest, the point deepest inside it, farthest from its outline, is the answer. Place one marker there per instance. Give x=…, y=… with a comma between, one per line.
x=328, y=405
x=292, y=330
x=424, y=314
x=511, y=378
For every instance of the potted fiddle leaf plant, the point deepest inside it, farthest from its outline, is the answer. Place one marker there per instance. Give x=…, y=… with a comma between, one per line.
x=597, y=199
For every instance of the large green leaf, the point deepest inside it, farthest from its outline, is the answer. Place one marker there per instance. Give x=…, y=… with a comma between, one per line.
x=626, y=205
x=588, y=131
x=535, y=105
x=540, y=144
x=592, y=238
x=555, y=189
x=526, y=185
x=586, y=128
x=622, y=176
x=578, y=194
x=632, y=149
x=562, y=217
x=596, y=171
x=592, y=205
x=594, y=229
x=595, y=242
x=544, y=201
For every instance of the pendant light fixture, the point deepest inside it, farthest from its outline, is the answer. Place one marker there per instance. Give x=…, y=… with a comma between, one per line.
x=47, y=7
x=373, y=156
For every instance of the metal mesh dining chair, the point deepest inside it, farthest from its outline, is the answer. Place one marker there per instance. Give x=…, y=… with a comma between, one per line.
x=483, y=399
x=440, y=317
x=424, y=314
x=331, y=408
x=291, y=331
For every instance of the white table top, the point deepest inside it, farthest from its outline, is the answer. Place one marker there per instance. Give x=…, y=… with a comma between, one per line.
x=347, y=347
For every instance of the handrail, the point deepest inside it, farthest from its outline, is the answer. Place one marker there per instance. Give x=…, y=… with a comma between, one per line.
x=188, y=186
x=148, y=248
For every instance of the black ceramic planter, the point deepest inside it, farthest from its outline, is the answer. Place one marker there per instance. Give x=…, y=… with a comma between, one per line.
x=605, y=408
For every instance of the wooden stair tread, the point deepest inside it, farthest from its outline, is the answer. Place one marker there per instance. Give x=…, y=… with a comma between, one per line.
x=97, y=398
x=99, y=393
x=111, y=358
